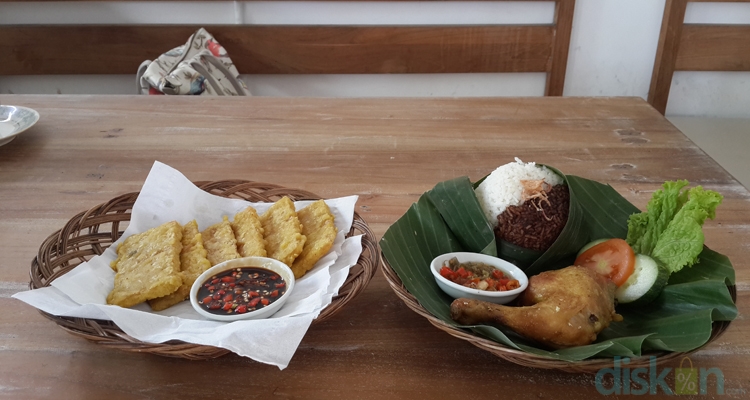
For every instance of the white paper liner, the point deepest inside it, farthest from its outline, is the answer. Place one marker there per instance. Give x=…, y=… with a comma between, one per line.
x=167, y=195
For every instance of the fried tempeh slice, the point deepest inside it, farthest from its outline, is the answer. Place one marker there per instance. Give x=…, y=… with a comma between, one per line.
x=282, y=231
x=249, y=233
x=320, y=231
x=193, y=262
x=220, y=243
x=148, y=265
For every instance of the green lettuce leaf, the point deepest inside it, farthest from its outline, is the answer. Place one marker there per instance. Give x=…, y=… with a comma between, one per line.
x=670, y=229
x=644, y=229
x=682, y=241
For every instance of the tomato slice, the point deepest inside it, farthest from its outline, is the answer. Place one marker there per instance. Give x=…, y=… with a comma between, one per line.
x=613, y=258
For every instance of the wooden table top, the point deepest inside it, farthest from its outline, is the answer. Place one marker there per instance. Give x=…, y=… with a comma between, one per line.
x=86, y=150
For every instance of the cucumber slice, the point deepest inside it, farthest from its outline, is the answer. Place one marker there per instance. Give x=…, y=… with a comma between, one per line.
x=590, y=245
x=647, y=281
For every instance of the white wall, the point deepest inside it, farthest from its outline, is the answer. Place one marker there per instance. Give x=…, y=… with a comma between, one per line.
x=612, y=51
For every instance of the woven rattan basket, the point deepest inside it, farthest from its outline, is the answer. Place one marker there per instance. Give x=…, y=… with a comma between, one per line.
x=89, y=233
x=532, y=360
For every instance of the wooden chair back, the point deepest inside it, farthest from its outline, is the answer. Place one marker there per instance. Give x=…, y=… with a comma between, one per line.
x=695, y=47
x=298, y=49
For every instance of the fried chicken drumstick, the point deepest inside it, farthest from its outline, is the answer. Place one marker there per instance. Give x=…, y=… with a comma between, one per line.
x=562, y=308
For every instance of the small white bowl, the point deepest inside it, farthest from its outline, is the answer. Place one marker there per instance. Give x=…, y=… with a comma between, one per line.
x=257, y=262
x=14, y=120
x=455, y=290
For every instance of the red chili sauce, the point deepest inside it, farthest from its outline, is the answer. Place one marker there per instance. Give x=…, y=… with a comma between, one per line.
x=241, y=290
x=477, y=275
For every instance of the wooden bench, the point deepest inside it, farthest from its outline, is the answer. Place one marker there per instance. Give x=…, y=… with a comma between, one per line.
x=695, y=47
x=298, y=49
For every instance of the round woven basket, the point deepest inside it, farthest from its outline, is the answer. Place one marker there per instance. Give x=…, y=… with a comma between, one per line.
x=90, y=232
x=532, y=360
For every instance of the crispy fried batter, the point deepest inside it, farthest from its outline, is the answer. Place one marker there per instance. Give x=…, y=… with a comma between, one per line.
x=220, y=243
x=318, y=226
x=193, y=262
x=282, y=231
x=249, y=233
x=148, y=265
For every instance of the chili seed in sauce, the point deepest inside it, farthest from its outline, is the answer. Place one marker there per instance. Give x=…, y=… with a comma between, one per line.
x=241, y=290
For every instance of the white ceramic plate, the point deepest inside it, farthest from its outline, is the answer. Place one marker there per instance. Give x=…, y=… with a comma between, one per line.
x=14, y=120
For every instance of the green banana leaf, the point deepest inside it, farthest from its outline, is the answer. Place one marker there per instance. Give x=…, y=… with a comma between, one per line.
x=448, y=218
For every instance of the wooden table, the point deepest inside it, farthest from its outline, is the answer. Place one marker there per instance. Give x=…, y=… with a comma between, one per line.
x=86, y=150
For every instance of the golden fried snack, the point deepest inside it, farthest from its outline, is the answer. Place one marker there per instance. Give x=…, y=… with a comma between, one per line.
x=249, y=233
x=282, y=231
x=320, y=231
x=148, y=265
x=220, y=243
x=193, y=262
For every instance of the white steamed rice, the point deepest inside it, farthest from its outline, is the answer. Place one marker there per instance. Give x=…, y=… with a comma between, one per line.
x=503, y=188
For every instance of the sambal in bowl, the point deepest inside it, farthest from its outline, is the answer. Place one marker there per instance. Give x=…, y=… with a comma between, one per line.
x=478, y=276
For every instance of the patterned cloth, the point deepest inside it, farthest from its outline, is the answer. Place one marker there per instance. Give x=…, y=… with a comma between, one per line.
x=199, y=67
